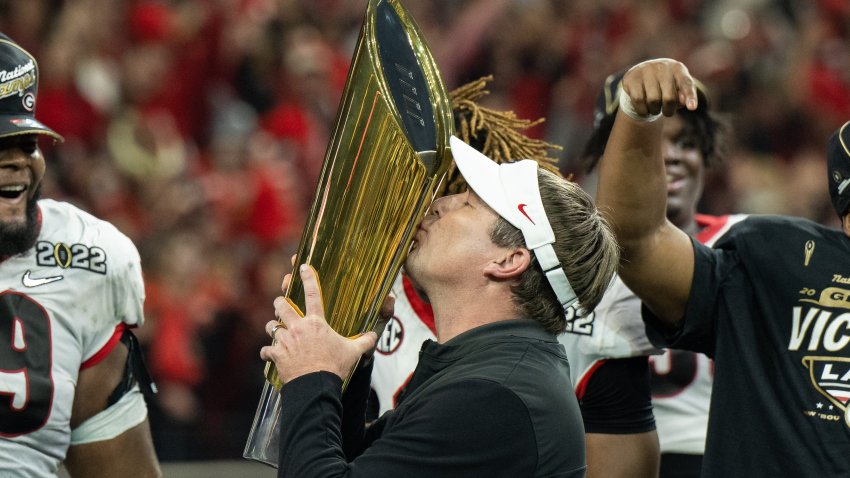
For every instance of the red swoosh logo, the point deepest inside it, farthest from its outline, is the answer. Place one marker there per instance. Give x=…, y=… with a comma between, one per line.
x=521, y=208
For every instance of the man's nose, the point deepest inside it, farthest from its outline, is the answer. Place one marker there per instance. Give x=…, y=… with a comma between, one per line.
x=435, y=210
x=13, y=158
x=439, y=205
x=672, y=155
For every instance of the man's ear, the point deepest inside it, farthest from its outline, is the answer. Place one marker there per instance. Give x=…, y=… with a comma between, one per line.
x=513, y=263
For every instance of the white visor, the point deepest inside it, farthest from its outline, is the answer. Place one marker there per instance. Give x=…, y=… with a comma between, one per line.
x=511, y=190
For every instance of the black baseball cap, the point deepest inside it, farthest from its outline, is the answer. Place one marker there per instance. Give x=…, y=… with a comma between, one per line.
x=18, y=92
x=838, y=169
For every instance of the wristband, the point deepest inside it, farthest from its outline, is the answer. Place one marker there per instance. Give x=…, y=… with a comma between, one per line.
x=629, y=109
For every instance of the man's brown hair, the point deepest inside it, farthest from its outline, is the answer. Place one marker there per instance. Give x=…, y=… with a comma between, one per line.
x=585, y=246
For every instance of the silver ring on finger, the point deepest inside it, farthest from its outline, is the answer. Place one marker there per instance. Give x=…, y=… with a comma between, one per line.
x=275, y=329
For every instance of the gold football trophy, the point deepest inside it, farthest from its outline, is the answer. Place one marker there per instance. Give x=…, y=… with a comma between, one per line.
x=388, y=153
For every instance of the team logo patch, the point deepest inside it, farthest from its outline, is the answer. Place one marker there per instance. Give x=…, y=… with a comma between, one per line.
x=74, y=256
x=391, y=339
x=28, y=101
x=830, y=376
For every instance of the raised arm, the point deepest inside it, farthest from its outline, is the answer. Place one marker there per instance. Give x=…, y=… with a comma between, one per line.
x=657, y=260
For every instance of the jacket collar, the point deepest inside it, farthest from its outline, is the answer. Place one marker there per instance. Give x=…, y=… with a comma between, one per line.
x=484, y=335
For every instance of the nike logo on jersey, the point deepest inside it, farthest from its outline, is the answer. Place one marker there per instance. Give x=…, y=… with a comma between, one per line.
x=37, y=281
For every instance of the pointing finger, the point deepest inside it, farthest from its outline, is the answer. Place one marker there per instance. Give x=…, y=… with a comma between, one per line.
x=687, y=90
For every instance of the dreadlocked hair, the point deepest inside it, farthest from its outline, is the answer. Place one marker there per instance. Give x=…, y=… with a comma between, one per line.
x=499, y=135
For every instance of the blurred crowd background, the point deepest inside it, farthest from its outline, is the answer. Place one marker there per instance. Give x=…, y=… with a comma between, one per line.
x=198, y=127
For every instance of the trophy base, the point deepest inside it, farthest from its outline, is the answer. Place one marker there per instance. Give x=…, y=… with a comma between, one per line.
x=264, y=440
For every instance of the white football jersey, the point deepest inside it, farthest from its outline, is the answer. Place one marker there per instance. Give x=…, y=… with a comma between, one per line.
x=63, y=307
x=616, y=330
x=397, y=352
x=613, y=330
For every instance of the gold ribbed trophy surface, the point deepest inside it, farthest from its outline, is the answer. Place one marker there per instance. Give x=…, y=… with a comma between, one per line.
x=386, y=157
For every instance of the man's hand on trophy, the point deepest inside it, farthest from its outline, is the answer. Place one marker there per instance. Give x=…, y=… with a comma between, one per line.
x=307, y=344
x=384, y=315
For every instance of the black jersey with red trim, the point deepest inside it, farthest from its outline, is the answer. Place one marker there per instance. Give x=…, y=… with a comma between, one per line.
x=770, y=303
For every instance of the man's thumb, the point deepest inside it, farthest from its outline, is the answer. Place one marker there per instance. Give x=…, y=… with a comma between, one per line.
x=365, y=342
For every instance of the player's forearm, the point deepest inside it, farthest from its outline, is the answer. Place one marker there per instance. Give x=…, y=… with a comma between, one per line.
x=632, y=185
x=632, y=192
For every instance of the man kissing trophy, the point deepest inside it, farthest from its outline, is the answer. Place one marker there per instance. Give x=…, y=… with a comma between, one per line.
x=384, y=162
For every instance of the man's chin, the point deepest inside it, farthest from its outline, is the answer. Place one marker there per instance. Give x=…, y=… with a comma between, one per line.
x=674, y=205
x=18, y=235
x=672, y=211
x=405, y=268
x=12, y=225
x=409, y=268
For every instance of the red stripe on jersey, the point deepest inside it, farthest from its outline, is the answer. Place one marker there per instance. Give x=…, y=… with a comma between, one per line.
x=709, y=226
x=108, y=347
x=423, y=309
x=582, y=384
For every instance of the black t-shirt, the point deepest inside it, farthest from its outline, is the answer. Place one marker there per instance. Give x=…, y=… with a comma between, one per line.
x=771, y=305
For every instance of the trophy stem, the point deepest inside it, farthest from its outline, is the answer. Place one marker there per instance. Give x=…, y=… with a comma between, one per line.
x=264, y=440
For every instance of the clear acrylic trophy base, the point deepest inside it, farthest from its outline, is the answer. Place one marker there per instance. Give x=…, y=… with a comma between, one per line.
x=264, y=440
